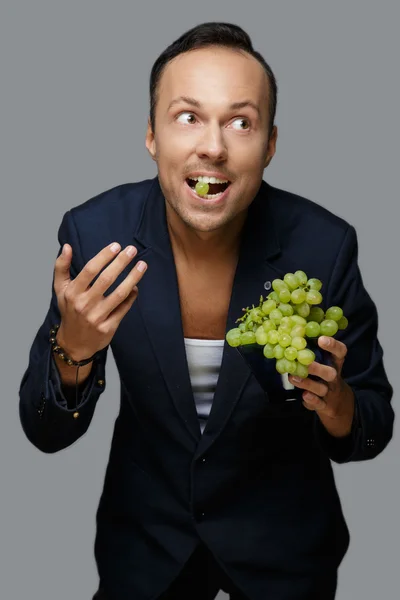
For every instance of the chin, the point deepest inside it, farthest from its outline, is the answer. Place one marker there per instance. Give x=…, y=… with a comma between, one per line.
x=204, y=225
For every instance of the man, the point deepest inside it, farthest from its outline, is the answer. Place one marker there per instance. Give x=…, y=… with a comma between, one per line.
x=210, y=484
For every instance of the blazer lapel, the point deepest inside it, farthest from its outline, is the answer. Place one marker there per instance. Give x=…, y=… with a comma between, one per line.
x=253, y=278
x=159, y=305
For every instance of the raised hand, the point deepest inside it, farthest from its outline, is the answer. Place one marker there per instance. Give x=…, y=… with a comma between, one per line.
x=89, y=319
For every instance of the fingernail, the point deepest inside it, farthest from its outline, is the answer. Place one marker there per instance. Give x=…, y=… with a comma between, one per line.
x=296, y=379
x=141, y=266
x=131, y=251
x=327, y=341
x=64, y=250
x=114, y=247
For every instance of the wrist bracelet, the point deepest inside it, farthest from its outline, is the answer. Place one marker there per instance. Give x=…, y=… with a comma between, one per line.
x=63, y=355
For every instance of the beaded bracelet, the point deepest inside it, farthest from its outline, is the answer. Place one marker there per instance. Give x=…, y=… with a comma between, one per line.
x=63, y=355
x=69, y=361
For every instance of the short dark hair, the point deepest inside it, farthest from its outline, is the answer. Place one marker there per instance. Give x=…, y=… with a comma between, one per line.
x=202, y=36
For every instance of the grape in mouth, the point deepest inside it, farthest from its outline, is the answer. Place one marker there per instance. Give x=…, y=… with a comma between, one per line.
x=213, y=188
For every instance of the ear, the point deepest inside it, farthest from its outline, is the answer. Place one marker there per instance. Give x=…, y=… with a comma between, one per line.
x=271, y=148
x=150, y=140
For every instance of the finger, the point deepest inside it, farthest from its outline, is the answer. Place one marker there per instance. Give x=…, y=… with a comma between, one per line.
x=337, y=349
x=328, y=374
x=121, y=293
x=313, y=402
x=116, y=316
x=108, y=276
x=94, y=266
x=62, y=275
x=316, y=387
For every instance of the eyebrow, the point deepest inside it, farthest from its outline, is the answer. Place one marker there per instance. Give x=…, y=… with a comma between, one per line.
x=197, y=104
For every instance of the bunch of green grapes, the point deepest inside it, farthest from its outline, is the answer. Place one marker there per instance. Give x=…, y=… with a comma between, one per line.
x=282, y=322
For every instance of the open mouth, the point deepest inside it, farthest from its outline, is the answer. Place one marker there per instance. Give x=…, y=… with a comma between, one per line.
x=216, y=187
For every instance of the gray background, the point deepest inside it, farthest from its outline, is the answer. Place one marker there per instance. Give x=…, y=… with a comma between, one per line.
x=74, y=104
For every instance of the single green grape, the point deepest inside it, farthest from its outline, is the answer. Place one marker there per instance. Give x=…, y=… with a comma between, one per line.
x=334, y=312
x=268, y=325
x=269, y=351
x=242, y=327
x=298, y=331
x=261, y=336
x=313, y=297
x=291, y=366
x=299, y=320
x=329, y=327
x=281, y=366
x=201, y=188
x=279, y=352
x=306, y=356
x=316, y=314
x=273, y=337
x=291, y=281
x=301, y=370
x=273, y=296
x=286, y=309
x=287, y=322
x=283, y=329
x=233, y=337
x=284, y=295
x=285, y=340
x=342, y=324
x=267, y=306
x=314, y=284
x=248, y=337
x=298, y=296
x=275, y=315
x=278, y=285
x=299, y=342
x=303, y=309
x=302, y=277
x=291, y=353
x=312, y=329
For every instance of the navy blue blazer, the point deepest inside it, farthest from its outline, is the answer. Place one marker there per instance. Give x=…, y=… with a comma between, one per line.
x=257, y=487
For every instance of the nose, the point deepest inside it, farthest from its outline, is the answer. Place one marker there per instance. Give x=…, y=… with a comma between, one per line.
x=211, y=144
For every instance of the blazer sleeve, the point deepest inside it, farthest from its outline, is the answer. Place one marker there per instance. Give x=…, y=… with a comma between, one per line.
x=363, y=368
x=46, y=408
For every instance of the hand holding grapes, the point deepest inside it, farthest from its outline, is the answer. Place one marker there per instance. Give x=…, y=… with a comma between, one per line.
x=332, y=398
x=281, y=324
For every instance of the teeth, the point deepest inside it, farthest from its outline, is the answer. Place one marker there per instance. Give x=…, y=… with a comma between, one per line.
x=211, y=196
x=205, y=179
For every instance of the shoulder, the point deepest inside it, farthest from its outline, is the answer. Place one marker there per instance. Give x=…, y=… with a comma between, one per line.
x=299, y=211
x=300, y=221
x=110, y=216
x=120, y=202
x=310, y=236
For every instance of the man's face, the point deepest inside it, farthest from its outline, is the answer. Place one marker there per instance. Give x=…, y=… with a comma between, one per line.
x=199, y=131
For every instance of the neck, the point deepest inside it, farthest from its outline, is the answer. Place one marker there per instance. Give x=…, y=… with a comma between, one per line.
x=209, y=247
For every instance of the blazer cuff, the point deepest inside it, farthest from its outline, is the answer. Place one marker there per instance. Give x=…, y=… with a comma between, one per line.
x=65, y=396
x=340, y=449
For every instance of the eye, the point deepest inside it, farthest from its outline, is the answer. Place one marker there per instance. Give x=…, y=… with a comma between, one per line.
x=242, y=121
x=184, y=118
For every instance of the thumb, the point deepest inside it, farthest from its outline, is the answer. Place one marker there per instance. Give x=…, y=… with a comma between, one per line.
x=62, y=276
